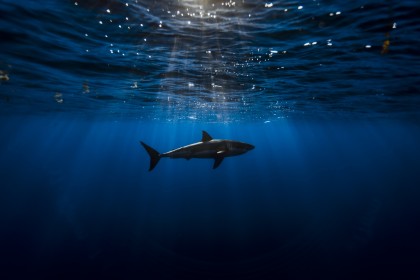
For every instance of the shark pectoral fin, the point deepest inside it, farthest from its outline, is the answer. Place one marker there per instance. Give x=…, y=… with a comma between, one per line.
x=217, y=161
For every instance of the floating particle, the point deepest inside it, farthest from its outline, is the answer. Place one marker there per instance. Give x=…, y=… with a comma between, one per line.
x=268, y=5
x=58, y=97
x=4, y=76
x=300, y=7
x=85, y=87
x=368, y=46
x=385, y=47
x=134, y=85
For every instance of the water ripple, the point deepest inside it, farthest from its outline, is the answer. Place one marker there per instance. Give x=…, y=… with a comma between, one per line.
x=219, y=60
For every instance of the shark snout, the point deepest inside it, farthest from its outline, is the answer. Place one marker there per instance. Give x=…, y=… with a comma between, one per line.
x=250, y=147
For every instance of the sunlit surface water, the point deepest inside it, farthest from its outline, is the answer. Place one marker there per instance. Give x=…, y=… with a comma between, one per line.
x=326, y=91
x=210, y=60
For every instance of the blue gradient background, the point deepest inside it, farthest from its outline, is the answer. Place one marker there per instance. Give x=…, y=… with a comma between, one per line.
x=327, y=93
x=314, y=200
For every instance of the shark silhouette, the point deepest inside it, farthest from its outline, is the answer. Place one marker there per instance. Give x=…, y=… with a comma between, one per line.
x=217, y=149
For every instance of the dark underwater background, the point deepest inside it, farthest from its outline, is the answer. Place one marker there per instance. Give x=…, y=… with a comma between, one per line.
x=328, y=92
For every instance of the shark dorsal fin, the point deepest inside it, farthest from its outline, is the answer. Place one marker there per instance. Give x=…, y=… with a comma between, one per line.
x=206, y=137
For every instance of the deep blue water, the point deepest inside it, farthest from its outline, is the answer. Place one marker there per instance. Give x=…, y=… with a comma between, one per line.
x=326, y=91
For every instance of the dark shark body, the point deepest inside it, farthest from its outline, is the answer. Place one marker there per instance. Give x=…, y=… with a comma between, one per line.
x=216, y=149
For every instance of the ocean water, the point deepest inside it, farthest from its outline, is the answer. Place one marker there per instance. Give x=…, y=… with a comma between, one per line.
x=328, y=92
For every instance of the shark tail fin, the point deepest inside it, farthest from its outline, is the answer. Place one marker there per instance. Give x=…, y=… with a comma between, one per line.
x=154, y=155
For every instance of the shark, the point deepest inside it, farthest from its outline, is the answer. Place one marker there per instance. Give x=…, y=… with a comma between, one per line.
x=208, y=147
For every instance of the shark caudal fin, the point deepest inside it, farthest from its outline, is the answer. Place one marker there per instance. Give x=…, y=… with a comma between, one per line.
x=154, y=155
